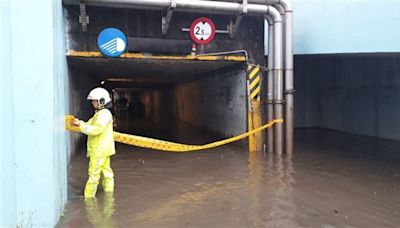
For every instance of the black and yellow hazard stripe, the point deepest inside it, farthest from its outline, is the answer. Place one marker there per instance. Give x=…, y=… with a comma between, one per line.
x=254, y=77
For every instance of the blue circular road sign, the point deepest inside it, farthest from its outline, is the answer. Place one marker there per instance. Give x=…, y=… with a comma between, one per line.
x=112, y=42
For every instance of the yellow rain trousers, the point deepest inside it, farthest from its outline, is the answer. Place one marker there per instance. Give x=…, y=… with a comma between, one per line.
x=98, y=166
x=100, y=146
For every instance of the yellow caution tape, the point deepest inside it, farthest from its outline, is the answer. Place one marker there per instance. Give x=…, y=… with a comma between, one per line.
x=157, y=144
x=68, y=124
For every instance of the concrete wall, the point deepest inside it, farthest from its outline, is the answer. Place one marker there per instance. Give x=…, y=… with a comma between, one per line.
x=217, y=103
x=143, y=29
x=60, y=93
x=8, y=214
x=80, y=83
x=357, y=93
x=34, y=90
x=346, y=26
x=306, y=100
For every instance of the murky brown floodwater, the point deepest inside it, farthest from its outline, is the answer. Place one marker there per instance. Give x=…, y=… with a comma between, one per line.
x=332, y=180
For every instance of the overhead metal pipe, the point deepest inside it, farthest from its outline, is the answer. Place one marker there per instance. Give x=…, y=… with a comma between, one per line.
x=278, y=94
x=270, y=83
x=278, y=87
x=277, y=81
x=284, y=3
x=289, y=82
x=218, y=7
x=288, y=73
x=286, y=7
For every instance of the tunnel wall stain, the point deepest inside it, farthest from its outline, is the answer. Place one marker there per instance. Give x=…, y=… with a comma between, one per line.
x=216, y=103
x=143, y=29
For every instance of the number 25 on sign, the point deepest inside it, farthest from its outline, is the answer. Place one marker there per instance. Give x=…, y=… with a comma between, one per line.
x=202, y=30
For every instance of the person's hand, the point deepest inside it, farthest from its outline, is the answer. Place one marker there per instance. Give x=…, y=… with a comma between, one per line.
x=76, y=122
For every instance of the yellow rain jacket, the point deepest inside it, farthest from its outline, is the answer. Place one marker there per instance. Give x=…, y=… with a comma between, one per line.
x=99, y=129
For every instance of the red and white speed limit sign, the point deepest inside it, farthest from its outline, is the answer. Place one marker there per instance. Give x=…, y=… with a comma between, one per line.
x=202, y=30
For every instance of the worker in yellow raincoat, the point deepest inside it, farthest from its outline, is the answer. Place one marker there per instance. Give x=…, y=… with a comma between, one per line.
x=100, y=142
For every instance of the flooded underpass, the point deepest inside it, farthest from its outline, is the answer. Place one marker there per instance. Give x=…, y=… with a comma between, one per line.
x=164, y=88
x=198, y=72
x=333, y=180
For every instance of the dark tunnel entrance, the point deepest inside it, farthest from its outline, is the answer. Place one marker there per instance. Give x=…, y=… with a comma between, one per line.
x=154, y=96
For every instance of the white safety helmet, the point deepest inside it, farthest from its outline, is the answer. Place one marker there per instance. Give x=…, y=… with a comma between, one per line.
x=101, y=95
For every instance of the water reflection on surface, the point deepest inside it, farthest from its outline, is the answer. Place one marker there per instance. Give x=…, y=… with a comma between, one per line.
x=333, y=180
x=100, y=213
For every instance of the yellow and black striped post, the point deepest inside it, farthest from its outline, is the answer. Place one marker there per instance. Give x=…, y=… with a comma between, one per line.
x=254, y=77
x=254, y=113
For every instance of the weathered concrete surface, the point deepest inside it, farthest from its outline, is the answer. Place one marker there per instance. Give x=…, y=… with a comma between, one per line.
x=216, y=103
x=355, y=93
x=151, y=72
x=143, y=28
x=306, y=96
x=8, y=216
x=80, y=83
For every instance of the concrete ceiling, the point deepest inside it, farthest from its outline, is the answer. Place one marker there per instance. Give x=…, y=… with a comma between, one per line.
x=147, y=72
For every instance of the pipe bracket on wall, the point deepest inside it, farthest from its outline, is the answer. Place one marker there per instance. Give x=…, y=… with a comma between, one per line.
x=244, y=6
x=235, y=21
x=234, y=26
x=83, y=17
x=279, y=101
x=166, y=18
x=290, y=91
